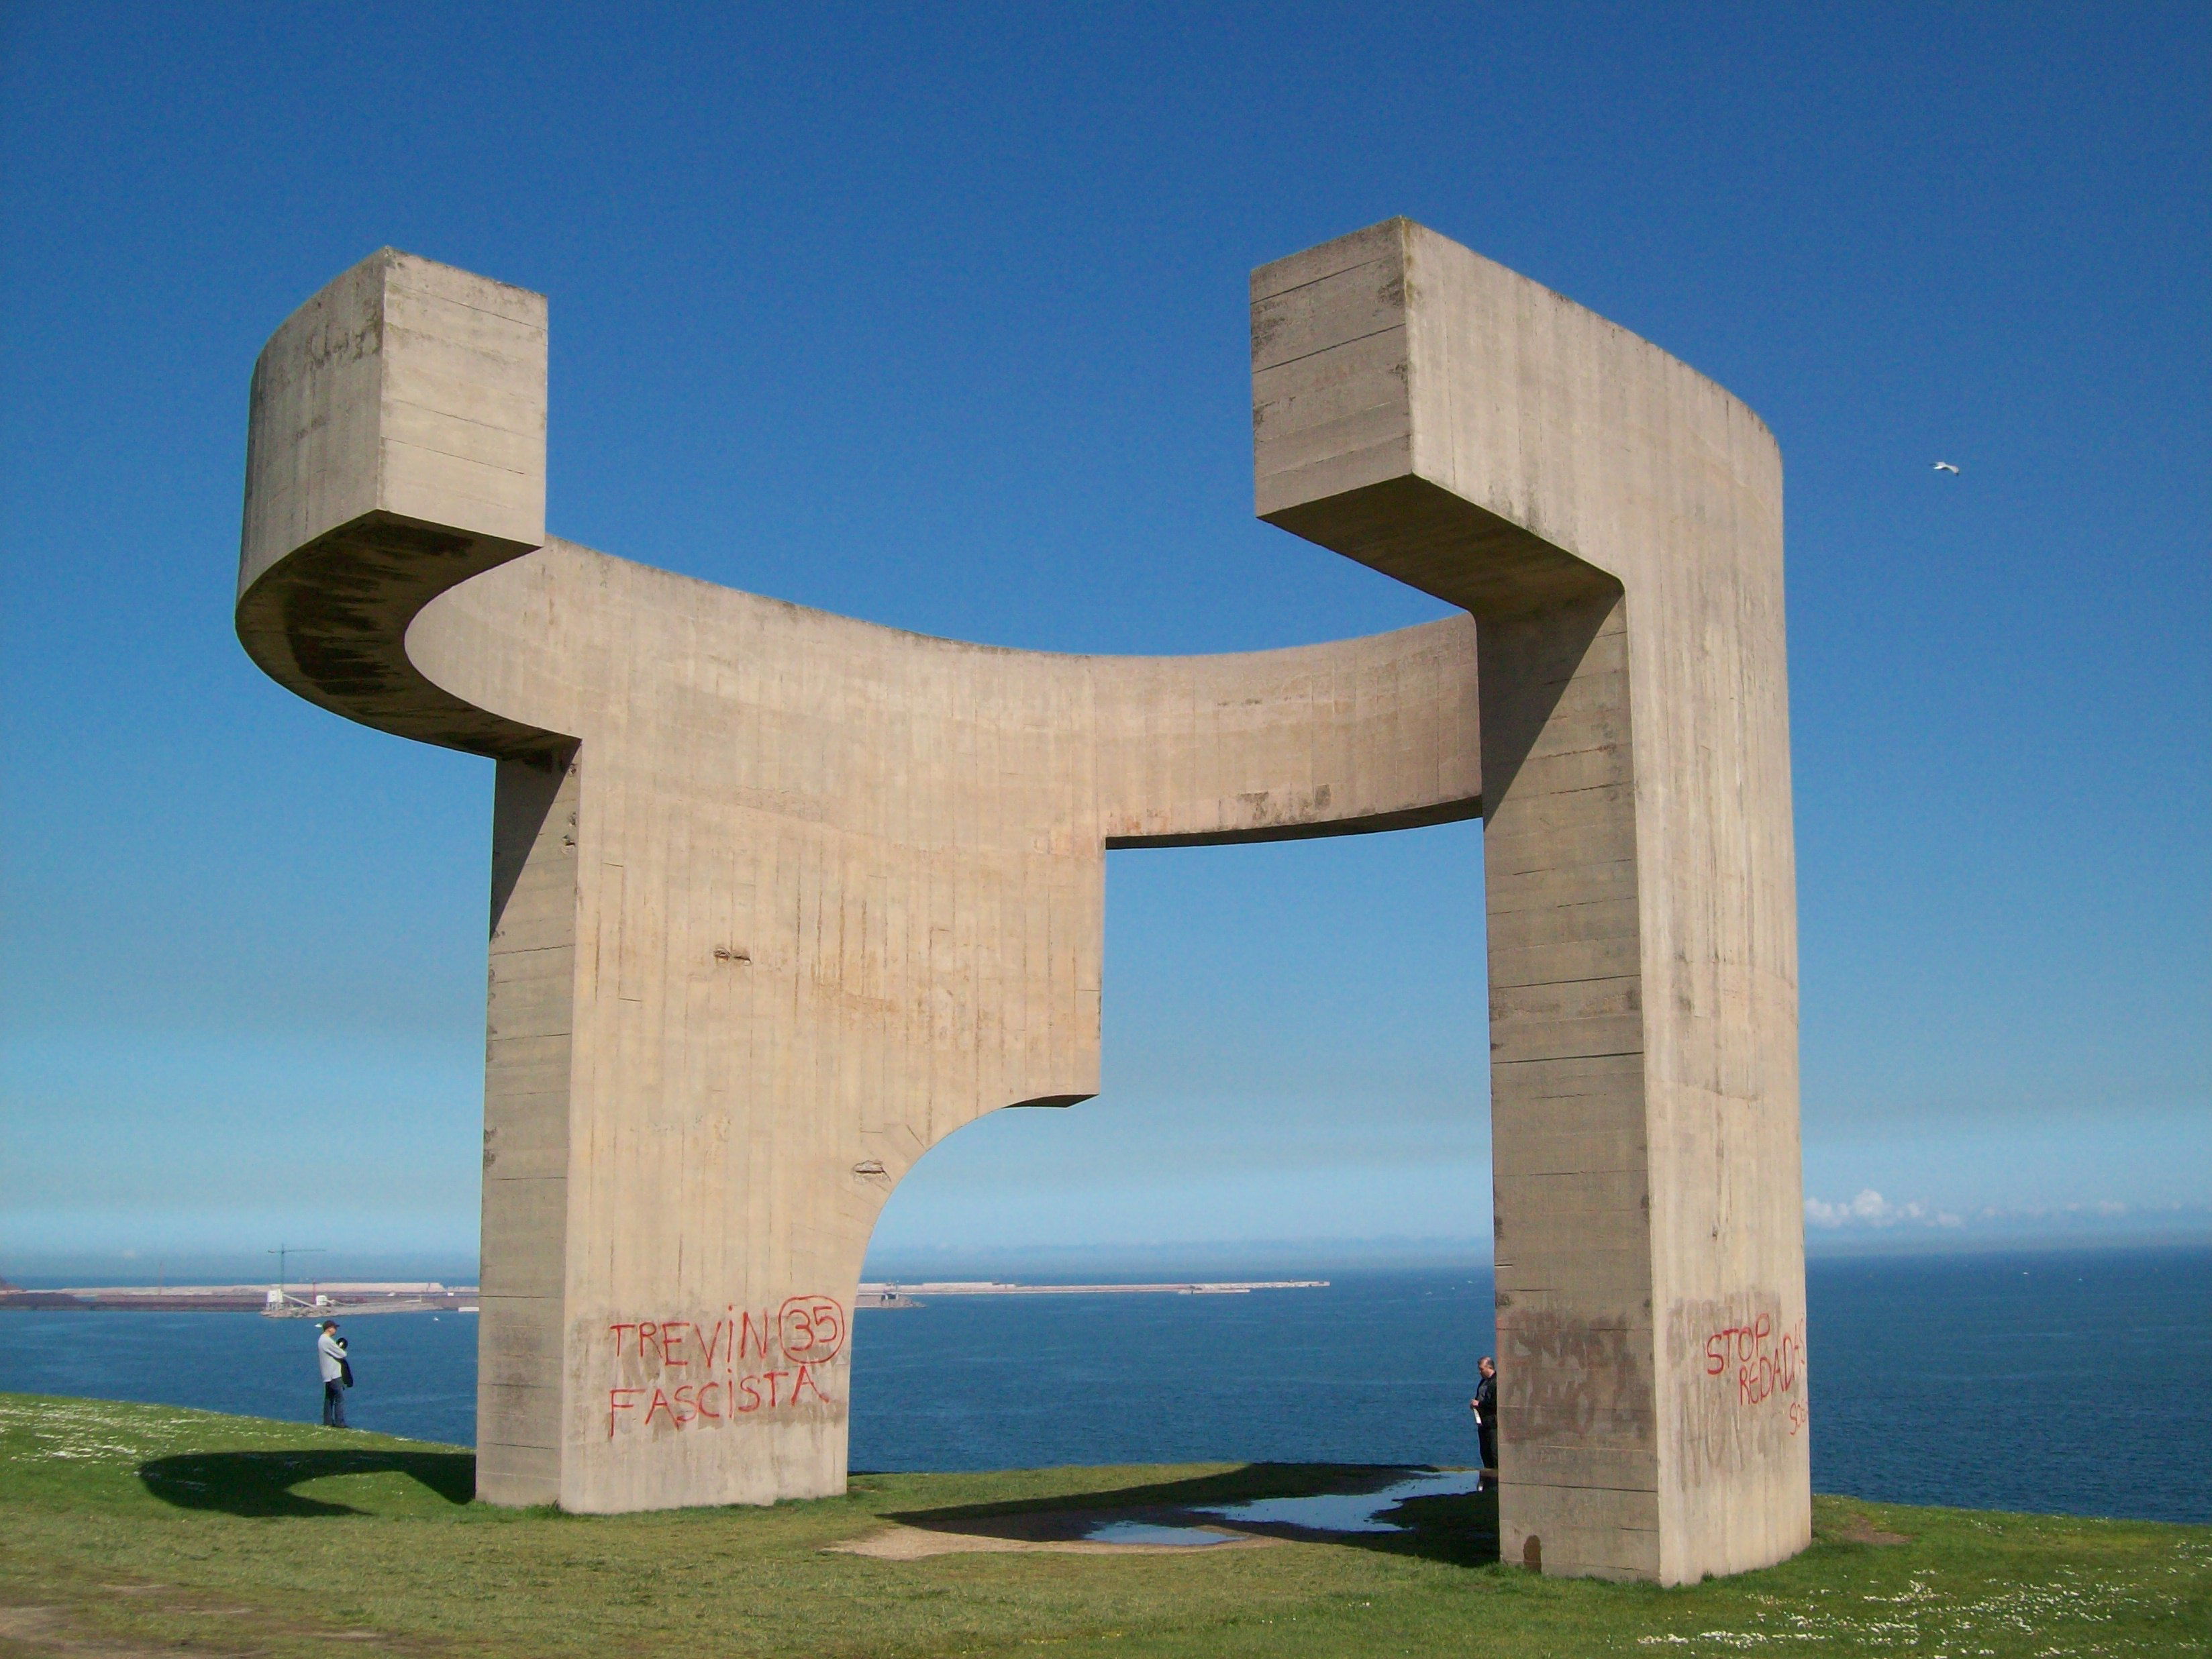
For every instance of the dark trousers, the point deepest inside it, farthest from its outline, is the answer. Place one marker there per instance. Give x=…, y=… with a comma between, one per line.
x=1486, y=1433
x=334, y=1404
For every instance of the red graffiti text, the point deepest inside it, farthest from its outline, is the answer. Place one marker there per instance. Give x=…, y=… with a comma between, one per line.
x=1765, y=1366
x=689, y=1373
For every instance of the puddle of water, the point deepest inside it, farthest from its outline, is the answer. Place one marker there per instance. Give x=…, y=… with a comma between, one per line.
x=1143, y=1532
x=1336, y=1511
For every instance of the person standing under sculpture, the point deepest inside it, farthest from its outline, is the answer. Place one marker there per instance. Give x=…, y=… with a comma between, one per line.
x=1485, y=1408
x=338, y=1374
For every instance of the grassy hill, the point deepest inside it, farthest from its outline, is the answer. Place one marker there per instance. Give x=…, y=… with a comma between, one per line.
x=140, y=1529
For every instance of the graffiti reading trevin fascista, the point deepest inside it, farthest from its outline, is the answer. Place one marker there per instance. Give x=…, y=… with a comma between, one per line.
x=693, y=1373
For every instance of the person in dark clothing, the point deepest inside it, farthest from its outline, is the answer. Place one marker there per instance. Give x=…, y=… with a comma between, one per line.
x=1485, y=1408
x=330, y=1355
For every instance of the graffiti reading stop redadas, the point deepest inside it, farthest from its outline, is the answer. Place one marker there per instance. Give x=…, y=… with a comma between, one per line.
x=696, y=1373
x=1767, y=1365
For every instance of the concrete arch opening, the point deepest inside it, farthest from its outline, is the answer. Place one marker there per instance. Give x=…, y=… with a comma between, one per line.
x=1293, y=1071
x=1293, y=1062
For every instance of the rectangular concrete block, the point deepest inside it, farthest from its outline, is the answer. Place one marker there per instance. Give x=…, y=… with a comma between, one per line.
x=408, y=388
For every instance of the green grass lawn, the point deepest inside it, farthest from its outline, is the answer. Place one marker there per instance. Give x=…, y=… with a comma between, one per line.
x=141, y=1529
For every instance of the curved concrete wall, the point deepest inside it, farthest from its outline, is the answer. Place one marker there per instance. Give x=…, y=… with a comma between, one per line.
x=1354, y=735
x=396, y=445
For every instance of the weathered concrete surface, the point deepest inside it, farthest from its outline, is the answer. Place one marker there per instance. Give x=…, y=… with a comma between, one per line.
x=1613, y=522
x=781, y=899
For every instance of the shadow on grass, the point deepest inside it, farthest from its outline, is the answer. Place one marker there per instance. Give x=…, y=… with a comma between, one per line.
x=260, y=1483
x=1460, y=1530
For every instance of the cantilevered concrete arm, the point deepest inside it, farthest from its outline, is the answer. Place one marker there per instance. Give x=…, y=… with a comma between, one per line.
x=1342, y=738
x=1349, y=737
x=395, y=447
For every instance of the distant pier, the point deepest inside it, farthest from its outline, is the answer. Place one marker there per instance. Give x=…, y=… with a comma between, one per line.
x=338, y=1299
x=347, y=1299
x=901, y=1294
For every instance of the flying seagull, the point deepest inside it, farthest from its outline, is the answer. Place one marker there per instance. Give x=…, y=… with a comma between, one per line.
x=1945, y=466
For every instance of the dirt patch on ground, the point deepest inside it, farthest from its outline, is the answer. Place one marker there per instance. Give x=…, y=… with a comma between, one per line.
x=72, y=1632
x=1057, y=1531
x=1856, y=1528
x=52, y=1631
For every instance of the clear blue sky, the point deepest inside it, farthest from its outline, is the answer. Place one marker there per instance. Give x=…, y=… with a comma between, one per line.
x=936, y=316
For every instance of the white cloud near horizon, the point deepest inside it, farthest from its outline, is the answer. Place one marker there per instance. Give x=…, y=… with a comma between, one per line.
x=1871, y=1209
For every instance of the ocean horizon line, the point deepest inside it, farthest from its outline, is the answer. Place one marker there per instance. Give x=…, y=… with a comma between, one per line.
x=1173, y=1260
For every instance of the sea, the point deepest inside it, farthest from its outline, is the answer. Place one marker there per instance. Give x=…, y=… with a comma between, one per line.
x=2077, y=1384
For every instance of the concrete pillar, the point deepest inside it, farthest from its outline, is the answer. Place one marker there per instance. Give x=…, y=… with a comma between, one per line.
x=529, y=1035
x=1613, y=523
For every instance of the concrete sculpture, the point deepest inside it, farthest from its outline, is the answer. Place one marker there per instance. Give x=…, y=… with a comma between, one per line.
x=781, y=899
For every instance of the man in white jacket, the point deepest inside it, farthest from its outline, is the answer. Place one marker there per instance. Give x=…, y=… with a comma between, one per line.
x=331, y=1349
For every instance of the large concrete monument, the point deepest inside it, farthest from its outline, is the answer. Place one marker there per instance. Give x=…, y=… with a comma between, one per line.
x=780, y=900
